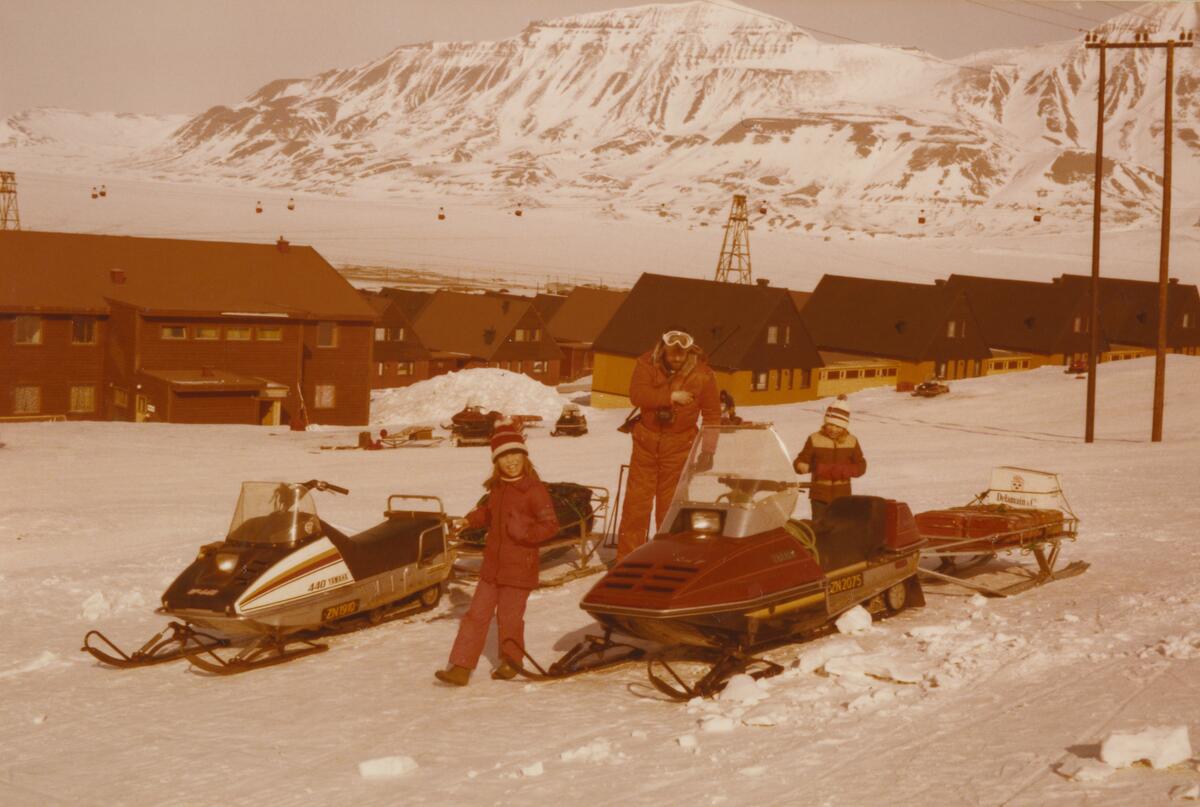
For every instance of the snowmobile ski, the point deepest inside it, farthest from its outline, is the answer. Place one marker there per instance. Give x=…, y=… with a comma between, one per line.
x=159, y=649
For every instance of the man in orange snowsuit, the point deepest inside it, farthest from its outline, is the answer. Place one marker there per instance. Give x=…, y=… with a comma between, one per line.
x=674, y=386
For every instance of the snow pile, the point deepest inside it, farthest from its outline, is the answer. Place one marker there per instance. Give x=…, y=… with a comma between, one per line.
x=597, y=750
x=815, y=657
x=1161, y=746
x=856, y=620
x=386, y=767
x=1180, y=647
x=433, y=401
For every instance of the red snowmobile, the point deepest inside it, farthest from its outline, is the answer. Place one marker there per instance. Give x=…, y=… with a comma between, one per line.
x=732, y=574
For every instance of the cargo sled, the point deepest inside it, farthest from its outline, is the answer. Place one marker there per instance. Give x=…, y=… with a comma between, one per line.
x=282, y=577
x=582, y=512
x=732, y=574
x=1023, y=512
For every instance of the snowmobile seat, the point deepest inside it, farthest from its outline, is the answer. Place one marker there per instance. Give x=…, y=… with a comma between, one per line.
x=852, y=530
x=390, y=545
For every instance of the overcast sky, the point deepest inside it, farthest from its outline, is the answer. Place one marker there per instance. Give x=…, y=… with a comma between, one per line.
x=186, y=56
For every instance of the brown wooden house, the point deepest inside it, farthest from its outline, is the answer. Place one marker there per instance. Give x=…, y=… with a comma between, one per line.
x=930, y=329
x=399, y=357
x=753, y=335
x=1028, y=324
x=487, y=330
x=1129, y=315
x=578, y=321
x=97, y=327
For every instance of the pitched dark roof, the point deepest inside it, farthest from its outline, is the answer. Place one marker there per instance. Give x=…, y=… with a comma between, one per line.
x=411, y=301
x=1129, y=310
x=480, y=325
x=391, y=314
x=584, y=314
x=891, y=319
x=728, y=320
x=71, y=272
x=1027, y=316
x=548, y=305
x=800, y=298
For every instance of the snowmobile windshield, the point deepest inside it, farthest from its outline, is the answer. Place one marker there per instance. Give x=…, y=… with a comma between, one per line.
x=749, y=479
x=273, y=513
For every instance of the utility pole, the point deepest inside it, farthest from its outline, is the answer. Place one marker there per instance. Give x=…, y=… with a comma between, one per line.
x=735, y=247
x=1141, y=40
x=10, y=216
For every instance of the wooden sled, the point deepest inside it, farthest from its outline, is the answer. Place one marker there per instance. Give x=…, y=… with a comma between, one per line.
x=1023, y=512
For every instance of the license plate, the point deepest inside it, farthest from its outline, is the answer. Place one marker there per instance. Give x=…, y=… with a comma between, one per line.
x=338, y=611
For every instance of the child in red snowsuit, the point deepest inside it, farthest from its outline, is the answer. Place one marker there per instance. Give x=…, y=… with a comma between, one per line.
x=519, y=515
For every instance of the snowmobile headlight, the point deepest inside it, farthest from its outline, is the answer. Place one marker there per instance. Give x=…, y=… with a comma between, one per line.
x=706, y=520
x=227, y=562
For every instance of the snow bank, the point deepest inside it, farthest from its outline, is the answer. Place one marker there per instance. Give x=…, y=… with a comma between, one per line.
x=435, y=400
x=1161, y=746
x=386, y=767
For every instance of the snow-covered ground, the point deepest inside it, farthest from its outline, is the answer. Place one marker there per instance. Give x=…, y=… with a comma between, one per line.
x=967, y=701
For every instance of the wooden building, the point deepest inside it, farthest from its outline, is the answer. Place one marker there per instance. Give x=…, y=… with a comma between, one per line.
x=1027, y=324
x=97, y=327
x=1129, y=315
x=753, y=336
x=928, y=329
x=576, y=323
x=399, y=357
x=487, y=330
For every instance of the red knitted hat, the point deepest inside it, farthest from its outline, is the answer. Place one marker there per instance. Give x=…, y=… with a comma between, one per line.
x=838, y=413
x=505, y=438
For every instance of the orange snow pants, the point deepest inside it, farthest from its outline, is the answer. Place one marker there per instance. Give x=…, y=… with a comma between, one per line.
x=654, y=470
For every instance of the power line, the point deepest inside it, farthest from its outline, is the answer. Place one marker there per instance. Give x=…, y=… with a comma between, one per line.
x=1026, y=16
x=1128, y=11
x=1064, y=13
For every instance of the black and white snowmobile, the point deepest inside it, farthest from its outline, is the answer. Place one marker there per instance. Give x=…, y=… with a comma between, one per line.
x=282, y=577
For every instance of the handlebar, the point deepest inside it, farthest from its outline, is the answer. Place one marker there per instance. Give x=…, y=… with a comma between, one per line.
x=317, y=484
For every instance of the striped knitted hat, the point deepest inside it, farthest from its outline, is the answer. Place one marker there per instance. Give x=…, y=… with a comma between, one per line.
x=505, y=438
x=838, y=413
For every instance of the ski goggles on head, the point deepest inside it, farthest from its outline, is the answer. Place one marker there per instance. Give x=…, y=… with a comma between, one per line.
x=678, y=339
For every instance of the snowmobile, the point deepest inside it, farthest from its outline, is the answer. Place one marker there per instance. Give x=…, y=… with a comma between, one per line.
x=471, y=426
x=571, y=423
x=732, y=574
x=282, y=576
x=1022, y=511
x=930, y=389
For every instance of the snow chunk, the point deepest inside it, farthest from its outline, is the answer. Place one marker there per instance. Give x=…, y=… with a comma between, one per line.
x=1186, y=792
x=744, y=689
x=39, y=720
x=1085, y=770
x=717, y=724
x=1180, y=647
x=874, y=698
x=927, y=632
x=856, y=620
x=1161, y=746
x=386, y=767
x=874, y=665
x=433, y=401
x=687, y=741
x=96, y=607
x=1069, y=618
x=978, y=600
x=536, y=769
x=597, y=750
x=815, y=658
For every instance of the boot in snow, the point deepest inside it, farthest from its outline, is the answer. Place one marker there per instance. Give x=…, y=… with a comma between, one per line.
x=505, y=672
x=458, y=676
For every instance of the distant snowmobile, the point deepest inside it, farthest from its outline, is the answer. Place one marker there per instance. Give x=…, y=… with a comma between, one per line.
x=571, y=423
x=282, y=577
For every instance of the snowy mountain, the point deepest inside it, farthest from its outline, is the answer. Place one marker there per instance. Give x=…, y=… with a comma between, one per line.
x=48, y=137
x=671, y=108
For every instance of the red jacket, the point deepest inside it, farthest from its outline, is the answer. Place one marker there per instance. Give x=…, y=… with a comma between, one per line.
x=651, y=388
x=519, y=515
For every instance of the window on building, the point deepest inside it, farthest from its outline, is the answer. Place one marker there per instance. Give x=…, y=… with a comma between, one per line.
x=238, y=333
x=379, y=368
x=83, y=398
x=1080, y=325
x=83, y=330
x=790, y=379
x=174, y=332
x=381, y=334
x=541, y=367
x=206, y=332
x=327, y=334
x=833, y=375
x=535, y=335
x=890, y=372
x=951, y=329
x=404, y=368
x=869, y=373
x=787, y=334
x=28, y=330
x=778, y=376
x=852, y=374
x=325, y=397
x=120, y=397
x=805, y=379
x=1024, y=364
x=759, y=381
x=772, y=334
x=269, y=333
x=27, y=400
x=520, y=335
x=1188, y=320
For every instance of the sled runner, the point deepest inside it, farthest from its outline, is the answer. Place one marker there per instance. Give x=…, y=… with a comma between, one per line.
x=582, y=512
x=1022, y=511
x=282, y=578
x=731, y=574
